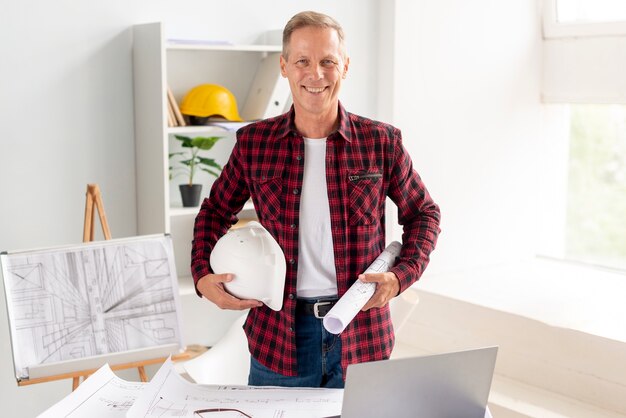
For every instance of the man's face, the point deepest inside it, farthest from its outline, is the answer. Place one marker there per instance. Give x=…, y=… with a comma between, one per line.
x=315, y=68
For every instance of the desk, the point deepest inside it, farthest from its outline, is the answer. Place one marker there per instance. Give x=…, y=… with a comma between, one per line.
x=105, y=395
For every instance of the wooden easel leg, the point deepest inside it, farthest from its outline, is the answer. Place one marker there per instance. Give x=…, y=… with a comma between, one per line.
x=142, y=374
x=92, y=234
x=75, y=383
x=102, y=215
x=88, y=227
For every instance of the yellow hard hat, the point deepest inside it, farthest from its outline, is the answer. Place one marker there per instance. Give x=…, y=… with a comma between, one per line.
x=210, y=100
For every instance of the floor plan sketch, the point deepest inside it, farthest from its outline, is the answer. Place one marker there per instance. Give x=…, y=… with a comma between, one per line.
x=102, y=395
x=169, y=394
x=91, y=299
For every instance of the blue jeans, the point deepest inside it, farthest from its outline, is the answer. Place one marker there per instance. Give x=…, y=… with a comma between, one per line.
x=319, y=359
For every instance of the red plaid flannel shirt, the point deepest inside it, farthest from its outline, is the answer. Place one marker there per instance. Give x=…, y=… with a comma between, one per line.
x=365, y=162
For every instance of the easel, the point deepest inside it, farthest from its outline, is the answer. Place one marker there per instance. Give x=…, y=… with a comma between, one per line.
x=93, y=203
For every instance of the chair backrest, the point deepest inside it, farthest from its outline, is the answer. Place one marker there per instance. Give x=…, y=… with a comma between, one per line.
x=226, y=363
x=402, y=307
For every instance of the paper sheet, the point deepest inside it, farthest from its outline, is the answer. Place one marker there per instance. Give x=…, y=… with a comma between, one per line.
x=168, y=394
x=102, y=395
x=344, y=311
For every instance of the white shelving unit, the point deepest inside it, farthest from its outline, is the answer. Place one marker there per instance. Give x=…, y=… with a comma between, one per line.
x=158, y=64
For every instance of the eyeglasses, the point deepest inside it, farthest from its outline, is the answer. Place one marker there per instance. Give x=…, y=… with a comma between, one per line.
x=199, y=412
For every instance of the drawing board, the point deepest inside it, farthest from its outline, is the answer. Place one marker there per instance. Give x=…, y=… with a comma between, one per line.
x=77, y=307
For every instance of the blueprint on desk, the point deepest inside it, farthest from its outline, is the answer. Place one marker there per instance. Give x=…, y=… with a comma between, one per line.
x=91, y=299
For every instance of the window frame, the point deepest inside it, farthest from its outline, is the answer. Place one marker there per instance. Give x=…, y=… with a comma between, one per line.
x=553, y=29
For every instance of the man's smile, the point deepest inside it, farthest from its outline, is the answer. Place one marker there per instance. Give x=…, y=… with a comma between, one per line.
x=314, y=90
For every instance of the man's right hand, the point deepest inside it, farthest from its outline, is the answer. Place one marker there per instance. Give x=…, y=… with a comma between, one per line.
x=212, y=287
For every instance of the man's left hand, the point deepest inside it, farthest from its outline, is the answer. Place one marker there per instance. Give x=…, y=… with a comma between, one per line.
x=387, y=287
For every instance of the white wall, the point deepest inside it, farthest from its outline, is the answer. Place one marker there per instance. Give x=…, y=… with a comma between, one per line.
x=585, y=70
x=66, y=111
x=467, y=97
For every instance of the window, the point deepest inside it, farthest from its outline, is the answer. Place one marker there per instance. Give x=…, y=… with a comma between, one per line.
x=574, y=18
x=585, y=11
x=587, y=153
x=595, y=227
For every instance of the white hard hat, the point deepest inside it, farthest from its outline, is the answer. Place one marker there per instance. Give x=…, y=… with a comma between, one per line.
x=257, y=262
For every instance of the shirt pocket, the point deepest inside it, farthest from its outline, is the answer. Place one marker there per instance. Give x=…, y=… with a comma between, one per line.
x=365, y=188
x=266, y=196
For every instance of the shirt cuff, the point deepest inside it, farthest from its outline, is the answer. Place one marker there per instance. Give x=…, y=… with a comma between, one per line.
x=404, y=275
x=199, y=271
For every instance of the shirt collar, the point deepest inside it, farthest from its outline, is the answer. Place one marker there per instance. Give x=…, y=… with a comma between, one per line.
x=287, y=124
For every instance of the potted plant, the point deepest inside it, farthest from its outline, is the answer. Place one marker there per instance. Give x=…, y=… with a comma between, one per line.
x=191, y=163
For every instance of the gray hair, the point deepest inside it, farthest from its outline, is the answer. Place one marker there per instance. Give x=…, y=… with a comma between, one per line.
x=315, y=19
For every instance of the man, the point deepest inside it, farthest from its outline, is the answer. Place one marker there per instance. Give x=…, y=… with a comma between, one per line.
x=318, y=177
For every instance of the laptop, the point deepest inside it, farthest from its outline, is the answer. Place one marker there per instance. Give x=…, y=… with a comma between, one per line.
x=448, y=385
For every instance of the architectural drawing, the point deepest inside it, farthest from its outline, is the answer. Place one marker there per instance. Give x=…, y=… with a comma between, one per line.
x=103, y=395
x=91, y=299
x=170, y=395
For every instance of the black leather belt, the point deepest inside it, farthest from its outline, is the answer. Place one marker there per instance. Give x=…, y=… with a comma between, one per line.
x=319, y=308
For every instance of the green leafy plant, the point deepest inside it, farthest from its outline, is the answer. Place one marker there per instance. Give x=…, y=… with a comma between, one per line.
x=191, y=160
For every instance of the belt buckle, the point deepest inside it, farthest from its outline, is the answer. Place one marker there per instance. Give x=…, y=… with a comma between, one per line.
x=316, y=309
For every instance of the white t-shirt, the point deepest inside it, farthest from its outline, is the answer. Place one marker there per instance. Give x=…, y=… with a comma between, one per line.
x=316, y=265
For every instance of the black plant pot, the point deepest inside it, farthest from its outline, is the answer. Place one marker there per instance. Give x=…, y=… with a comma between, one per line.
x=190, y=194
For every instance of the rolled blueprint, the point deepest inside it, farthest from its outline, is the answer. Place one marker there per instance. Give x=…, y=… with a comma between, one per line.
x=346, y=308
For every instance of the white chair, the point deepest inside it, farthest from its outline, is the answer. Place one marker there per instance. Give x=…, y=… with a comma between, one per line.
x=226, y=363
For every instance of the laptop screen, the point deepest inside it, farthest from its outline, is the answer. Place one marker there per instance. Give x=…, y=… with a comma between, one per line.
x=455, y=384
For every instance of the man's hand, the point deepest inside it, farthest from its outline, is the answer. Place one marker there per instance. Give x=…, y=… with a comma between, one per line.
x=212, y=287
x=387, y=287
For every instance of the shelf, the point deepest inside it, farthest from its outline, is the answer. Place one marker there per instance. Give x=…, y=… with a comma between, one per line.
x=218, y=128
x=181, y=65
x=224, y=127
x=246, y=213
x=199, y=46
x=181, y=211
x=195, y=129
